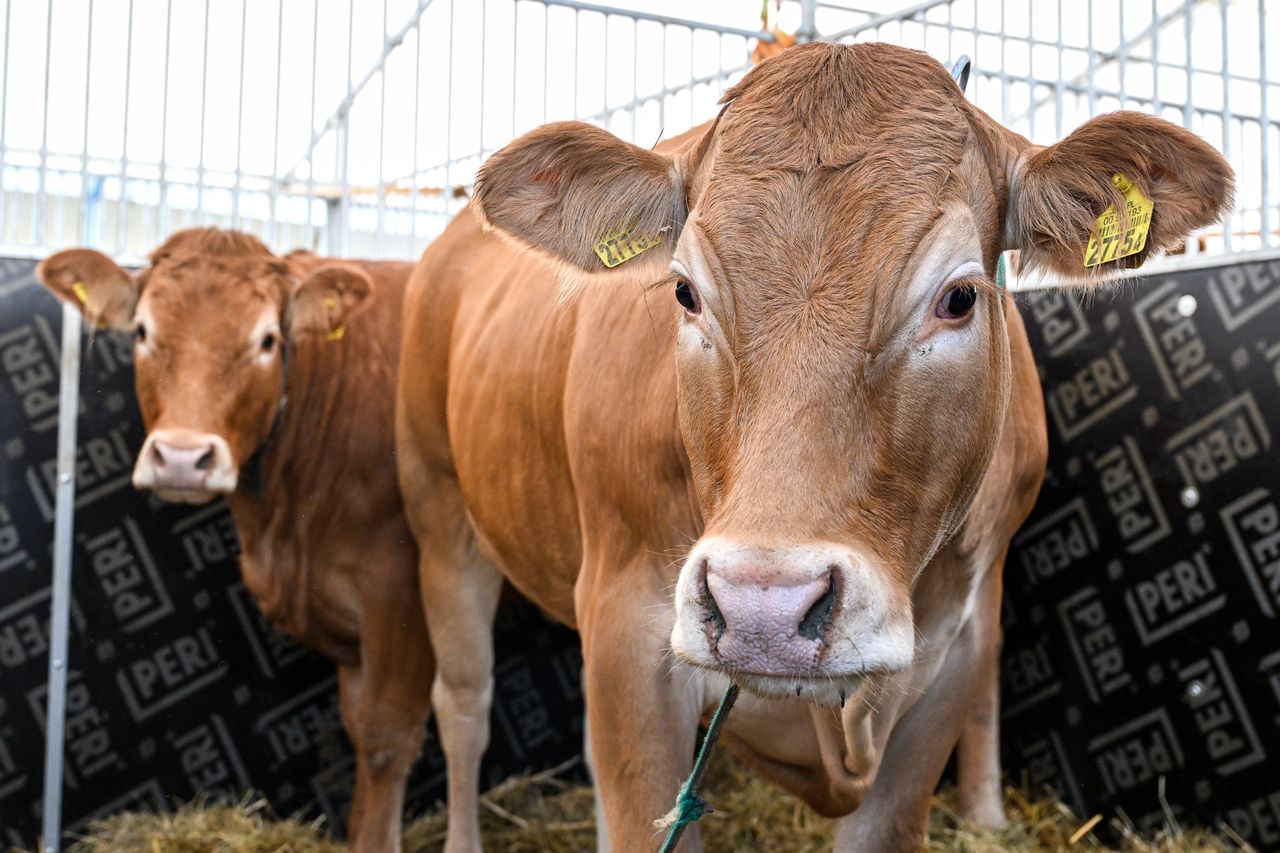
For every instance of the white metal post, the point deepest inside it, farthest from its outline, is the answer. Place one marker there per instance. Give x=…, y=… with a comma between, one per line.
x=60, y=600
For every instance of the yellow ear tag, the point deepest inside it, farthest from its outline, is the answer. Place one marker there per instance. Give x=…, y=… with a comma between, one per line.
x=81, y=292
x=331, y=303
x=621, y=247
x=1111, y=243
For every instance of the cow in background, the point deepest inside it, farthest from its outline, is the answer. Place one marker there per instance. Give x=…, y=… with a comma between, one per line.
x=781, y=430
x=270, y=382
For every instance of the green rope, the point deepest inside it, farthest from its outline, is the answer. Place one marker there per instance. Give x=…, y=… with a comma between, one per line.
x=689, y=806
x=1000, y=273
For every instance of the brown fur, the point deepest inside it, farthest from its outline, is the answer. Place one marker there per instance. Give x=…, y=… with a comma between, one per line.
x=817, y=397
x=326, y=551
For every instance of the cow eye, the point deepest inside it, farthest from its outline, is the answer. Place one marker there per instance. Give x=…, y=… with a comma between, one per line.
x=957, y=301
x=268, y=342
x=140, y=333
x=687, y=296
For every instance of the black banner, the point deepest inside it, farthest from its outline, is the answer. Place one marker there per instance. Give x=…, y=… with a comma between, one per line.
x=1141, y=597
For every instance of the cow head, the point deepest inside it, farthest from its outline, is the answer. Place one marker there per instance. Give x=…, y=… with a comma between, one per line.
x=211, y=318
x=841, y=350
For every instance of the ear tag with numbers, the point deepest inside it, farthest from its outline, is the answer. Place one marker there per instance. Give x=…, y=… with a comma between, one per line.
x=1111, y=243
x=623, y=246
x=81, y=292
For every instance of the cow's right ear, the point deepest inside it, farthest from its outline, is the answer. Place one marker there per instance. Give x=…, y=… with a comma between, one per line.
x=583, y=196
x=89, y=280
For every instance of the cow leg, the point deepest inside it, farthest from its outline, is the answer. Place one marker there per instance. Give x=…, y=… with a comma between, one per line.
x=349, y=704
x=894, y=814
x=390, y=717
x=460, y=590
x=602, y=825
x=643, y=709
x=978, y=752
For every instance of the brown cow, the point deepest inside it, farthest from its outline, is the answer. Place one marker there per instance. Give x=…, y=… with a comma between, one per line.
x=802, y=472
x=224, y=333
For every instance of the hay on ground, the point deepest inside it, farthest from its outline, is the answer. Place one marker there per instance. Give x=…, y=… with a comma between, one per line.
x=543, y=814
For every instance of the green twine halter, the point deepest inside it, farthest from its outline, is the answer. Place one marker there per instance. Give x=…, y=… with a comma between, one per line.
x=689, y=806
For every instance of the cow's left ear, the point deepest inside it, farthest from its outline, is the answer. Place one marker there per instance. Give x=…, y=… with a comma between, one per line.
x=324, y=303
x=1057, y=193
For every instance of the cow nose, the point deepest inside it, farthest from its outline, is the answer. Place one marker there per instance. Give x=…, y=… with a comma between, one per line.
x=181, y=462
x=185, y=465
x=770, y=626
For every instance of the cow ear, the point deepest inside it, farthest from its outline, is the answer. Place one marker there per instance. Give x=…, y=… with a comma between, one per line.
x=583, y=196
x=1059, y=192
x=327, y=300
x=89, y=280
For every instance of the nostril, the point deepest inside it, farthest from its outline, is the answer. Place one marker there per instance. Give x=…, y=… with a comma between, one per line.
x=712, y=618
x=157, y=455
x=205, y=462
x=814, y=623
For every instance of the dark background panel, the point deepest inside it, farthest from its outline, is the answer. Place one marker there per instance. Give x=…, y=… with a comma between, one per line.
x=1142, y=595
x=177, y=683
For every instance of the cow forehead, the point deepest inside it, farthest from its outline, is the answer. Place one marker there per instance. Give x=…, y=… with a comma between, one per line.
x=211, y=293
x=829, y=166
x=832, y=105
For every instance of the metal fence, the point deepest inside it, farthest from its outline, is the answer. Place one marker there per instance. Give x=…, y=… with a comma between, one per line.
x=355, y=127
x=373, y=164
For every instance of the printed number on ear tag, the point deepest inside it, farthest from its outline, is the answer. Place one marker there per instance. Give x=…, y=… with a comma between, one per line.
x=1111, y=243
x=622, y=247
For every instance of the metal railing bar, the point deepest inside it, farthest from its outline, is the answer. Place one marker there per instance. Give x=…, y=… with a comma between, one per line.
x=42, y=198
x=312, y=240
x=448, y=118
x=1264, y=123
x=83, y=223
x=275, y=134
x=60, y=598
x=164, y=120
x=1226, y=107
x=906, y=14
x=417, y=121
x=637, y=15
x=204, y=107
x=4, y=109
x=382, y=145
x=122, y=207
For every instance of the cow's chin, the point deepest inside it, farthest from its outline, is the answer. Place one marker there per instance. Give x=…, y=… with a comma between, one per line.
x=835, y=690
x=832, y=690
x=187, y=496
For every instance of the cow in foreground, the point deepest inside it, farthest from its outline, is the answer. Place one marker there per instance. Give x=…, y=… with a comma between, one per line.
x=788, y=444
x=270, y=381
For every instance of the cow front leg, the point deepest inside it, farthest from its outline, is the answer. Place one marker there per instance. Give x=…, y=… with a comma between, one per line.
x=643, y=708
x=460, y=591
x=389, y=716
x=979, y=786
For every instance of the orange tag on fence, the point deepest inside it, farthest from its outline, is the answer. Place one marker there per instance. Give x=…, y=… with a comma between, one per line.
x=1111, y=243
